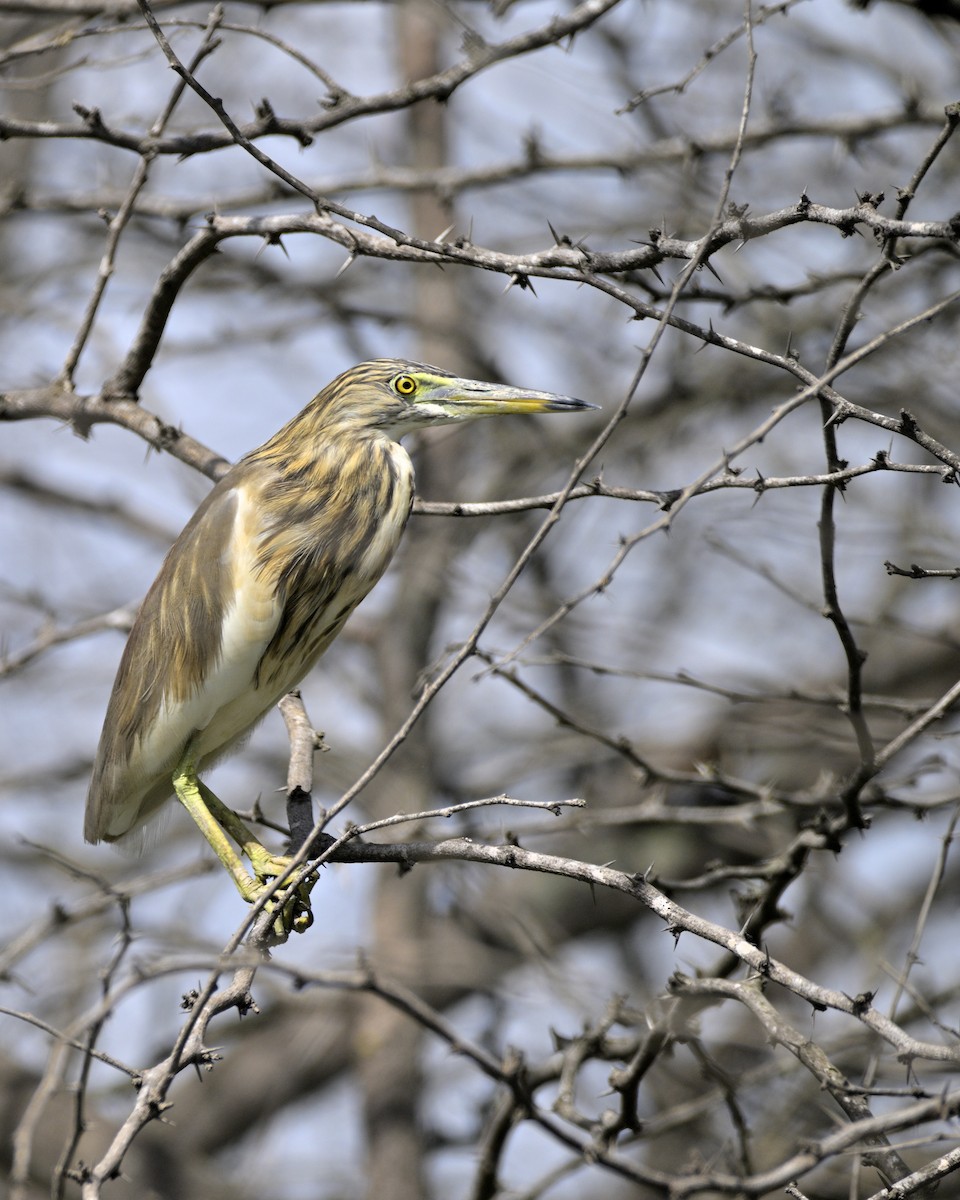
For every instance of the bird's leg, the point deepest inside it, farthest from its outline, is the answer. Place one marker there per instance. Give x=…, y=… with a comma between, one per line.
x=187, y=786
x=215, y=821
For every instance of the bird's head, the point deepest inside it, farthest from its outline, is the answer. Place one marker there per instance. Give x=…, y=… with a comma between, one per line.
x=398, y=396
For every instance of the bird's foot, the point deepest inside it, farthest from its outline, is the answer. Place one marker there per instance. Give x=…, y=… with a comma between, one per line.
x=291, y=904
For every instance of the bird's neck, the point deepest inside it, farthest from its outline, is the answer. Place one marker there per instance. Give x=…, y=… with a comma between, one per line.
x=308, y=454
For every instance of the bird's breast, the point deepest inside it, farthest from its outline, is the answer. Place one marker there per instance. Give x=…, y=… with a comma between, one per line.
x=337, y=533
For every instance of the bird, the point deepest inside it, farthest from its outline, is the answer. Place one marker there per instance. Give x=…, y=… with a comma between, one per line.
x=256, y=587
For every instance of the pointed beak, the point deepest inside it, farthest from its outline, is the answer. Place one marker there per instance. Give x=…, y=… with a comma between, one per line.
x=471, y=398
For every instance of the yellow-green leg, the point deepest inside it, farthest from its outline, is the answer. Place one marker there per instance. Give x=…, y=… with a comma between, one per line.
x=215, y=821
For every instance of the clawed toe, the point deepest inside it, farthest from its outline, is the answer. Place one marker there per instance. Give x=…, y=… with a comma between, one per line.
x=291, y=904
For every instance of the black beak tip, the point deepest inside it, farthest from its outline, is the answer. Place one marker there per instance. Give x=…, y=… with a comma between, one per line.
x=570, y=404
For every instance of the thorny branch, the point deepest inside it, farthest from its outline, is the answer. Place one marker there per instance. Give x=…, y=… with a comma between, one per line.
x=243, y=964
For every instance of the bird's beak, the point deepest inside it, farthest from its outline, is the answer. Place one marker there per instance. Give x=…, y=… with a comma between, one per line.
x=472, y=398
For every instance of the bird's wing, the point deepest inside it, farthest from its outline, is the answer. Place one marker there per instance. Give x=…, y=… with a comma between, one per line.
x=172, y=676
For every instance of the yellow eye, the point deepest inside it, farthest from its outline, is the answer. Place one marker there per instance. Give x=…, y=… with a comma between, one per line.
x=405, y=385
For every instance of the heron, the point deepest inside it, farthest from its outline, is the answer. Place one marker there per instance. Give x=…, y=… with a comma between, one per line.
x=256, y=587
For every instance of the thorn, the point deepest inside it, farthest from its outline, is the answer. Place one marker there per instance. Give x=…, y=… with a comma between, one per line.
x=835, y=418
x=517, y=279
x=272, y=239
x=704, y=342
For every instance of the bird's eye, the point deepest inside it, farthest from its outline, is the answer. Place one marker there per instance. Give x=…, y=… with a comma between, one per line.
x=405, y=385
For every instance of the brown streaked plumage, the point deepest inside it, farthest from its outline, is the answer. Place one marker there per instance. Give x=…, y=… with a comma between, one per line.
x=259, y=583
